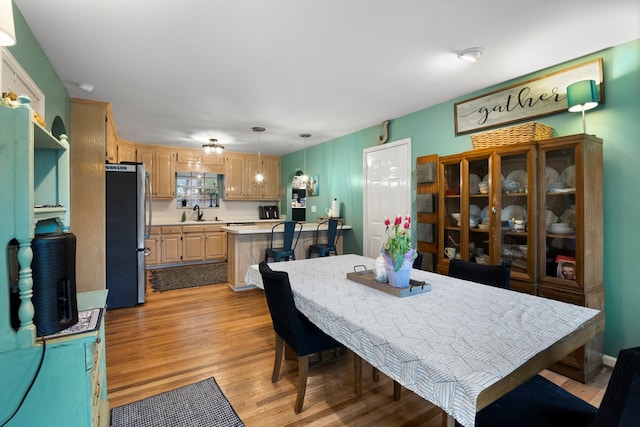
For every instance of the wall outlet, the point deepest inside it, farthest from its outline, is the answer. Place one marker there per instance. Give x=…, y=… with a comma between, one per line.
x=313, y=208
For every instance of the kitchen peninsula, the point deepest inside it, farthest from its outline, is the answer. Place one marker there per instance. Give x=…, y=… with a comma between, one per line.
x=246, y=245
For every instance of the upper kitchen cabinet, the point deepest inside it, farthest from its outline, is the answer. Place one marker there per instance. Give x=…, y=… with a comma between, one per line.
x=34, y=182
x=196, y=160
x=240, y=169
x=160, y=163
x=117, y=150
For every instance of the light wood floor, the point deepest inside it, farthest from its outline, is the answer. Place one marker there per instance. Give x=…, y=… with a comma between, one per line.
x=183, y=336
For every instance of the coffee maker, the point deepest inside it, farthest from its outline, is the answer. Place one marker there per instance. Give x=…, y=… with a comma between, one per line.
x=269, y=212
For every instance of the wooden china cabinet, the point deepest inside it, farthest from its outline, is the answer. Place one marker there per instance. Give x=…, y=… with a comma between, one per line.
x=537, y=208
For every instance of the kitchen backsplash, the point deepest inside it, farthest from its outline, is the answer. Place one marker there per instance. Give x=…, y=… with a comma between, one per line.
x=165, y=211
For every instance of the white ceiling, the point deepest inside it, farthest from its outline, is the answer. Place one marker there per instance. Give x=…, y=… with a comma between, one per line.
x=179, y=72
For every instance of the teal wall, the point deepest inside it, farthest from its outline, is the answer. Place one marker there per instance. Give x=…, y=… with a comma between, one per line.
x=338, y=163
x=32, y=58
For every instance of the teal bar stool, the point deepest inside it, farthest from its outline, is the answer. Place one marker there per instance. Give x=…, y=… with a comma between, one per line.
x=292, y=230
x=334, y=231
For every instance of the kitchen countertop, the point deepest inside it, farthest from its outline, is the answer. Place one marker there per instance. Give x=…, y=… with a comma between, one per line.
x=266, y=228
x=217, y=222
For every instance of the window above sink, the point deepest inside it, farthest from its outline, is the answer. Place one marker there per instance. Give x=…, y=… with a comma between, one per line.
x=198, y=188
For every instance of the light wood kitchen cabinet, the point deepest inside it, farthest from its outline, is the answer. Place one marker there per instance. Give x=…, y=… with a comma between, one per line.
x=160, y=164
x=88, y=201
x=153, y=247
x=192, y=244
x=197, y=160
x=126, y=151
x=271, y=172
x=240, y=168
x=111, y=149
x=215, y=245
x=171, y=245
x=537, y=208
x=186, y=244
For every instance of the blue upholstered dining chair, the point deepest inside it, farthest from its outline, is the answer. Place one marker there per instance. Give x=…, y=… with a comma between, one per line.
x=291, y=234
x=294, y=329
x=540, y=403
x=493, y=275
x=334, y=230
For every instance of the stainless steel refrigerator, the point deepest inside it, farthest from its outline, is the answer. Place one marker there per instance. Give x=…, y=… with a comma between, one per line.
x=128, y=223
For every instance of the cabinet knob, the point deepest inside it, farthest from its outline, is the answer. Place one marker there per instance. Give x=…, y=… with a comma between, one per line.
x=493, y=210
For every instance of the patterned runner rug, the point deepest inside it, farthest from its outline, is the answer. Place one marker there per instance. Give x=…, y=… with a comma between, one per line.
x=197, y=405
x=164, y=279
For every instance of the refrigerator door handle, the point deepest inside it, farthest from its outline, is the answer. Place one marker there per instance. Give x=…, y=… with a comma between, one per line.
x=147, y=179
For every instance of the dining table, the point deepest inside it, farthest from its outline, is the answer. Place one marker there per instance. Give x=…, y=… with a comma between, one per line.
x=461, y=346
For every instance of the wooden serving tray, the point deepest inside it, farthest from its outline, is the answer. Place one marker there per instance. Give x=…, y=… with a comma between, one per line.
x=366, y=278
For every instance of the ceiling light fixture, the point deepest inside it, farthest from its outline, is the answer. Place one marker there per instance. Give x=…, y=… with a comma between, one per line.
x=582, y=96
x=304, y=176
x=213, y=146
x=86, y=87
x=471, y=55
x=258, y=179
x=7, y=28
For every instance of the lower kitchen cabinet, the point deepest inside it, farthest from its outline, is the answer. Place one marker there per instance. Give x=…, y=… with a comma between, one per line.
x=152, y=247
x=171, y=245
x=215, y=246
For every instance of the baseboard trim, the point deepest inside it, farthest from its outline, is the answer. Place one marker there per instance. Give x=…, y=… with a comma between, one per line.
x=609, y=361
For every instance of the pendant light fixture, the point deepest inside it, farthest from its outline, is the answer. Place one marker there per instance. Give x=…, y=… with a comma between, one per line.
x=304, y=177
x=213, y=147
x=258, y=179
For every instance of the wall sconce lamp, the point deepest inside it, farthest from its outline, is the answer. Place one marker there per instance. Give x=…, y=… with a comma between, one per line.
x=582, y=96
x=213, y=147
x=7, y=28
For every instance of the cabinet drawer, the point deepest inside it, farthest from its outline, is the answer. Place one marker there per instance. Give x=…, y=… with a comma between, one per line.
x=194, y=228
x=171, y=229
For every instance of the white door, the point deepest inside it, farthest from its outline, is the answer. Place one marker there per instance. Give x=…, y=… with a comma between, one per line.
x=387, y=190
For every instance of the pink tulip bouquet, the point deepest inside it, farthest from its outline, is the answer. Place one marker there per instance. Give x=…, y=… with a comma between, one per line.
x=398, y=245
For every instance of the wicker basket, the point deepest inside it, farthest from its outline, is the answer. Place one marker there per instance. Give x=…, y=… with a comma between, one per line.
x=519, y=134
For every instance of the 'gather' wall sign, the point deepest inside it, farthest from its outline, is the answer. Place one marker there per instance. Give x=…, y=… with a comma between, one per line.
x=534, y=98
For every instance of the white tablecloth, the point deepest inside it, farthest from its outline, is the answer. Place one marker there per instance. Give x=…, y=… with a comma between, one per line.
x=446, y=345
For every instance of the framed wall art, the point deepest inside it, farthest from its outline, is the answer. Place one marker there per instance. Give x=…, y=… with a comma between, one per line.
x=537, y=97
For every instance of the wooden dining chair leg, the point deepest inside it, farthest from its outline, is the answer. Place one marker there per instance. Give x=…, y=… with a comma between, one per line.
x=375, y=374
x=397, y=390
x=303, y=371
x=357, y=374
x=278, y=359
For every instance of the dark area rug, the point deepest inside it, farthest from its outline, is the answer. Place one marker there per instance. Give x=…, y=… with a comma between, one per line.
x=164, y=279
x=197, y=405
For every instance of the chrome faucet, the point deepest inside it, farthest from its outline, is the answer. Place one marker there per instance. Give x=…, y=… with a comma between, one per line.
x=200, y=213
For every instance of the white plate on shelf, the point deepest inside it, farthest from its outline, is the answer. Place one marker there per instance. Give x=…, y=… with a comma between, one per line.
x=519, y=176
x=474, y=180
x=484, y=215
x=474, y=210
x=568, y=176
x=551, y=176
x=513, y=211
x=486, y=178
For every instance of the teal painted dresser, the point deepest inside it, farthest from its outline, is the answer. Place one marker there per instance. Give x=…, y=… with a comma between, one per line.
x=62, y=377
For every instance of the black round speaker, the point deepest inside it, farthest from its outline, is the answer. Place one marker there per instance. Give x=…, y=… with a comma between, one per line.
x=54, y=282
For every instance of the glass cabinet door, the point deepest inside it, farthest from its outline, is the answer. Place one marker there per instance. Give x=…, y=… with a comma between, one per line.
x=515, y=244
x=452, y=209
x=479, y=204
x=560, y=215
